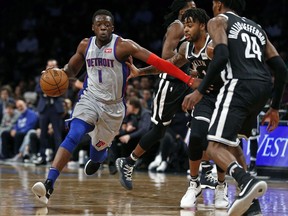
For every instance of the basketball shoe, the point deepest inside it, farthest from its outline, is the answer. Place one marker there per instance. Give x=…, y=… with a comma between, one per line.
x=252, y=169
x=125, y=173
x=91, y=167
x=190, y=197
x=221, y=196
x=249, y=191
x=43, y=191
x=207, y=180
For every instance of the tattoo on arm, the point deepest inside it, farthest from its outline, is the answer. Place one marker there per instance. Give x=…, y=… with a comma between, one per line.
x=150, y=70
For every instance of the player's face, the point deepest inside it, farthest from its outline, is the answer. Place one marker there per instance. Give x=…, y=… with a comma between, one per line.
x=191, y=30
x=103, y=28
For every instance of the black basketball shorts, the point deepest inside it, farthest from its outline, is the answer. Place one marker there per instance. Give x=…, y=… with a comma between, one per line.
x=168, y=100
x=237, y=106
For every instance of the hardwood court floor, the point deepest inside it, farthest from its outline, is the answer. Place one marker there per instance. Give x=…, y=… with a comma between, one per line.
x=101, y=194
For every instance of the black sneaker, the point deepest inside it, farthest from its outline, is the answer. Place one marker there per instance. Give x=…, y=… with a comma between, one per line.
x=43, y=191
x=125, y=173
x=254, y=209
x=207, y=180
x=253, y=189
x=91, y=167
x=252, y=170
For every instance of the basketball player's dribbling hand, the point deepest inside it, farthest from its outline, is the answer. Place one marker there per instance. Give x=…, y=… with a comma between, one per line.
x=272, y=117
x=48, y=68
x=191, y=100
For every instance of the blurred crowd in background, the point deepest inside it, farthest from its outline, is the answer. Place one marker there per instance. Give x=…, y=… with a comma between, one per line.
x=35, y=30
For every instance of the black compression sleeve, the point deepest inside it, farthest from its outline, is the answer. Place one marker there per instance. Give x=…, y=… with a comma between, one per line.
x=280, y=73
x=220, y=59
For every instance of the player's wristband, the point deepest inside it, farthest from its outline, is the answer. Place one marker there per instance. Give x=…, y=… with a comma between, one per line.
x=190, y=82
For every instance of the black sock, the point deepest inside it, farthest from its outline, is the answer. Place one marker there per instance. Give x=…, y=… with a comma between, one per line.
x=252, y=163
x=132, y=159
x=195, y=178
x=238, y=173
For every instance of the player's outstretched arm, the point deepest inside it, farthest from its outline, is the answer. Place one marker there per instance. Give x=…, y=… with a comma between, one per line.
x=177, y=59
x=128, y=47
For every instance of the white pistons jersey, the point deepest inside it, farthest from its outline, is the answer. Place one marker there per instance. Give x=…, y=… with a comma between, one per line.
x=101, y=100
x=106, y=75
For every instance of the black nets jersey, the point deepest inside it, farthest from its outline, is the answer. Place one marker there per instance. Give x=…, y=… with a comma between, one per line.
x=200, y=62
x=246, y=43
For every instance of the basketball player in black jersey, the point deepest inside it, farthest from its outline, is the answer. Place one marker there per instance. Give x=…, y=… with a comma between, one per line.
x=198, y=51
x=169, y=96
x=241, y=50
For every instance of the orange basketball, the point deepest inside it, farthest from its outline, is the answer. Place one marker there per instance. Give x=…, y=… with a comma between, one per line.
x=54, y=82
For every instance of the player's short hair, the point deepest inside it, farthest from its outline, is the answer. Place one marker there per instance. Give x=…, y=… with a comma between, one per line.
x=175, y=7
x=197, y=14
x=236, y=5
x=103, y=12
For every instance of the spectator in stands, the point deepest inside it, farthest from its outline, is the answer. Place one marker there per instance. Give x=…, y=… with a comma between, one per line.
x=5, y=97
x=9, y=119
x=147, y=99
x=12, y=139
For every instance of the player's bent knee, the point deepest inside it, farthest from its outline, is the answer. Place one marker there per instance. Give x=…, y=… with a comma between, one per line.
x=77, y=130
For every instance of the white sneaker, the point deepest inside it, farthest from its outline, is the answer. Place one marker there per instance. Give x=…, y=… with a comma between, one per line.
x=162, y=167
x=221, y=196
x=190, y=197
x=155, y=163
x=43, y=191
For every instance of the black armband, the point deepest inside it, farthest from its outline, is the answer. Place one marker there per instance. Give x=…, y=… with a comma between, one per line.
x=218, y=63
x=280, y=73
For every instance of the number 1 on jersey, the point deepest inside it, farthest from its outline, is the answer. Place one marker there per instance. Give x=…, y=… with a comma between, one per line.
x=100, y=76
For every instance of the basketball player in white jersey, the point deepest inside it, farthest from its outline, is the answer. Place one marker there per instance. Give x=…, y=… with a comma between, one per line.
x=100, y=109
